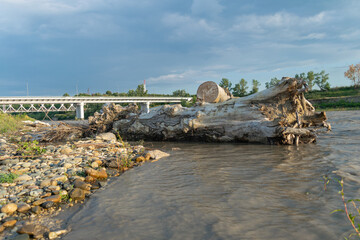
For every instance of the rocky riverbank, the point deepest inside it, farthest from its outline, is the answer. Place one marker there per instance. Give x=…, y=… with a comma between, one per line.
x=42, y=179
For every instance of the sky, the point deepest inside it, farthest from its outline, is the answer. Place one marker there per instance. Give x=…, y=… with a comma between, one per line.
x=53, y=47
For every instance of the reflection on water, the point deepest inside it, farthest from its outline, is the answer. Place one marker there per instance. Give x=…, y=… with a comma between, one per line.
x=229, y=191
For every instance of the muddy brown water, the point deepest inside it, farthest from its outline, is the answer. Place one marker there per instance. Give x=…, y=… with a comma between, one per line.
x=230, y=191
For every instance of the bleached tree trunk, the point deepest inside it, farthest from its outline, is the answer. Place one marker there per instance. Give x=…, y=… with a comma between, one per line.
x=279, y=115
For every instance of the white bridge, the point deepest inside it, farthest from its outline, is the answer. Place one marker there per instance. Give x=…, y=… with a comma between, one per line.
x=60, y=104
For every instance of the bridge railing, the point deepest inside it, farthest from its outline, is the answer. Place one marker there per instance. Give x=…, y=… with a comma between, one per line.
x=49, y=104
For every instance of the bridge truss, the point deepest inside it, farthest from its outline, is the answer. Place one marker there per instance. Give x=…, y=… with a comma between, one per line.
x=65, y=104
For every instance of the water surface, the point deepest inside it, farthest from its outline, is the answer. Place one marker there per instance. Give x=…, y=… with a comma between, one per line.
x=230, y=191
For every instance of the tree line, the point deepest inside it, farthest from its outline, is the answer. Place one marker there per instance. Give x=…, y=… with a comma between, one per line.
x=240, y=89
x=311, y=78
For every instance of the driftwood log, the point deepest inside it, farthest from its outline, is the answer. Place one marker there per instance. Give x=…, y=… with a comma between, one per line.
x=279, y=115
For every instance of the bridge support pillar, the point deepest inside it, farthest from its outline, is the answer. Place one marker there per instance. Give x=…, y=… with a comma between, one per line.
x=80, y=110
x=145, y=107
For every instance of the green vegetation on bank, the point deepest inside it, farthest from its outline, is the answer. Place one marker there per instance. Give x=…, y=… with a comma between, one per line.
x=333, y=92
x=11, y=123
x=337, y=106
x=7, y=177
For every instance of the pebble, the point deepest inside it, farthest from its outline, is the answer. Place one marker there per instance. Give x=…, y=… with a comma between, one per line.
x=82, y=185
x=60, y=178
x=66, y=151
x=9, y=208
x=47, y=183
x=96, y=174
x=62, y=172
x=36, y=209
x=22, y=237
x=52, y=235
x=23, y=208
x=54, y=198
x=94, y=165
x=47, y=204
x=36, y=193
x=10, y=223
x=24, y=177
x=33, y=230
x=77, y=194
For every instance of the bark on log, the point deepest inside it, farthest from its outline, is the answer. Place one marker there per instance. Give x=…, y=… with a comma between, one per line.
x=210, y=92
x=279, y=115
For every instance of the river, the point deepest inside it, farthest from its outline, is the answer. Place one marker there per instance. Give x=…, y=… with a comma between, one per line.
x=230, y=191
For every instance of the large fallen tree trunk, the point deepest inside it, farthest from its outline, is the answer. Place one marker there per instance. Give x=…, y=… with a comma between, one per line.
x=279, y=115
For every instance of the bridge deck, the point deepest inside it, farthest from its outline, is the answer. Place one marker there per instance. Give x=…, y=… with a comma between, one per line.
x=37, y=104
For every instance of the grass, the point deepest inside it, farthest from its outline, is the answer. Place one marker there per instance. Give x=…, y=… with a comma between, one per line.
x=351, y=210
x=30, y=148
x=7, y=177
x=333, y=92
x=11, y=123
x=338, y=106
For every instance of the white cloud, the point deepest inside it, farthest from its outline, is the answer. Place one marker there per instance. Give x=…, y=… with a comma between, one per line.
x=187, y=28
x=314, y=36
x=185, y=76
x=280, y=20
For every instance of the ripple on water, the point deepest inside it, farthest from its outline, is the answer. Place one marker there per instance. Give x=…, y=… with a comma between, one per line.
x=230, y=191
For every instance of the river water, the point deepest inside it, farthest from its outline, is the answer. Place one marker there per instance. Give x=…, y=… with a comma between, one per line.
x=231, y=191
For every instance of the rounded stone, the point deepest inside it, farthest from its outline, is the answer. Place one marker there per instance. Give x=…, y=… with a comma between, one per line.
x=36, y=209
x=23, y=208
x=23, y=177
x=47, y=205
x=52, y=235
x=9, y=208
x=66, y=151
x=67, y=165
x=10, y=223
x=77, y=194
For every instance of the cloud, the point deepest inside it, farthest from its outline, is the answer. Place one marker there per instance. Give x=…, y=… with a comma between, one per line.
x=314, y=36
x=278, y=21
x=54, y=18
x=187, y=28
x=351, y=34
x=209, y=8
x=187, y=76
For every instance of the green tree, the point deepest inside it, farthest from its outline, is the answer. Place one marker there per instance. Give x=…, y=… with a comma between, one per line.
x=139, y=92
x=310, y=79
x=240, y=88
x=131, y=93
x=255, y=86
x=321, y=80
x=226, y=84
x=272, y=82
x=66, y=95
x=180, y=93
x=108, y=92
x=300, y=76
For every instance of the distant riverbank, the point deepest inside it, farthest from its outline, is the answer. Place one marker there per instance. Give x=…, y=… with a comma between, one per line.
x=337, y=103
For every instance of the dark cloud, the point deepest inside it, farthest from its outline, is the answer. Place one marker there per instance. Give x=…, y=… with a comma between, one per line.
x=115, y=45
